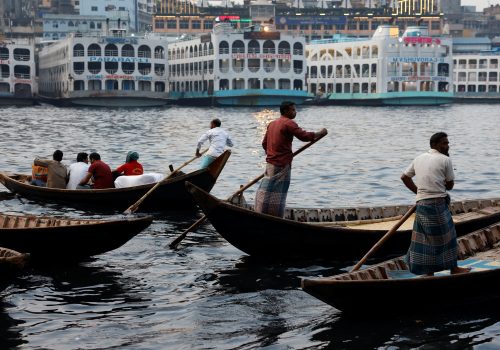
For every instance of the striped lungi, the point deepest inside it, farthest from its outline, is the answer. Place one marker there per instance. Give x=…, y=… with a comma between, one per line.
x=434, y=240
x=271, y=195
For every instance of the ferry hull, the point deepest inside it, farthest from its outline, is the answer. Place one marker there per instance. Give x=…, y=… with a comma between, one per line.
x=386, y=99
x=108, y=100
x=17, y=101
x=477, y=98
x=243, y=98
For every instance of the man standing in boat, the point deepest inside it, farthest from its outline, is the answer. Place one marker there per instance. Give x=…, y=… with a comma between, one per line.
x=277, y=143
x=433, y=245
x=218, y=139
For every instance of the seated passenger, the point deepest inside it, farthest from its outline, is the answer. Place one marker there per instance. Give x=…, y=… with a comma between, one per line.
x=78, y=170
x=131, y=166
x=57, y=174
x=99, y=171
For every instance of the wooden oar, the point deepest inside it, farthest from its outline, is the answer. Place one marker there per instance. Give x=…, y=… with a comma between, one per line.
x=134, y=206
x=183, y=235
x=384, y=238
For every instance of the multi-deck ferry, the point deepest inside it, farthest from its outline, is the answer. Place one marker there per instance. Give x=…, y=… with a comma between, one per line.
x=255, y=66
x=388, y=69
x=105, y=70
x=476, y=77
x=18, y=85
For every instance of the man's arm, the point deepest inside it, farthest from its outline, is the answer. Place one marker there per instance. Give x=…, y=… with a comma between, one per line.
x=86, y=179
x=449, y=185
x=409, y=183
x=41, y=162
x=201, y=141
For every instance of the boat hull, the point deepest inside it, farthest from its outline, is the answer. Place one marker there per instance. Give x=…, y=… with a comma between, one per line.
x=17, y=101
x=169, y=195
x=374, y=289
x=271, y=237
x=386, y=99
x=72, y=242
x=109, y=102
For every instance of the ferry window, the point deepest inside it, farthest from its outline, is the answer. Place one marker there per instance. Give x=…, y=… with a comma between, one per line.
x=493, y=76
x=284, y=47
x=159, y=24
x=269, y=83
x=472, y=76
x=144, y=51
x=443, y=69
x=292, y=27
x=21, y=90
x=322, y=69
x=482, y=76
x=128, y=85
x=492, y=88
x=99, y=25
x=159, y=86
x=340, y=26
x=363, y=25
x=347, y=88
x=171, y=24
x=183, y=24
x=373, y=88
x=78, y=50
x=471, y=88
x=355, y=87
x=254, y=83
x=316, y=26
x=4, y=71
x=208, y=25
x=21, y=54
x=5, y=87
x=92, y=25
x=238, y=47
x=111, y=85
x=327, y=26
x=110, y=50
x=374, y=70
x=94, y=50
x=144, y=85
x=93, y=8
x=375, y=25
x=78, y=67
x=253, y=46
x=357, y=70
x=224, y=84
x=352, y=26
x=280, y=26
x=304, y=27
x=481, y=88
x=298, y=49
x=4, y=53
x=238, y=84
x=494, y=63
x=195, y=24
x=338, y=88
x=269, y=47
x=314, y=72
x=71, y=24
x=409, y=86
x=364, y=88
x=435, y=25
x=55, y=25
x=330, y=71
x=297, y=84
x=22, y=72
x=111, y=67
x=284, y=84
x=473, y=64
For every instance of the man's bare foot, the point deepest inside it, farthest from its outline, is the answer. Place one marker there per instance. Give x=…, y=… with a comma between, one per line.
x=456, y=270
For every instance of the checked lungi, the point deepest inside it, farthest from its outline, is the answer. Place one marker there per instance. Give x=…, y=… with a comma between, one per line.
x=271, y=195
x=434, y=240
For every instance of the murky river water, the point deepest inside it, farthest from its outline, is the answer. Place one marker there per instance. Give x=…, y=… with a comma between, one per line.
x=207, y=294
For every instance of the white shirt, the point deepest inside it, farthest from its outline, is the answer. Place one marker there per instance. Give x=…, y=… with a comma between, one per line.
x=77, y=172
x=218, y=139
x=432, y=169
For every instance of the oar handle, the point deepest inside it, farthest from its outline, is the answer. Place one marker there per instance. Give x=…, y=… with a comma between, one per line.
x=134, y=206
x=183, y=235
x=384, y=238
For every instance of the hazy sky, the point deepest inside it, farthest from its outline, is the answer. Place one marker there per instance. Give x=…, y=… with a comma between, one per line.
x=480, y=4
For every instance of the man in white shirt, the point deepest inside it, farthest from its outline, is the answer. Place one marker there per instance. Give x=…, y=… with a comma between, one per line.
x=78, y=170
x=433, y=245
x=218, y=139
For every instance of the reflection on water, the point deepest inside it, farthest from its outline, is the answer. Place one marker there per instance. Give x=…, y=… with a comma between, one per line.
x=207, y=294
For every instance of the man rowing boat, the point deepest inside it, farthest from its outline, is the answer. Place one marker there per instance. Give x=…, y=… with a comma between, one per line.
x=277, y=143
x=433, y=245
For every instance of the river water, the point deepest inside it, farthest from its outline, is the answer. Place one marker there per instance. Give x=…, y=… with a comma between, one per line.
x=207, y=294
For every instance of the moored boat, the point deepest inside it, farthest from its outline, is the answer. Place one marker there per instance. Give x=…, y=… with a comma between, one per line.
x=112, y=70
x=339, y=234
x=390, y=287
x=414, y=69
x=17, y=72
x=49, y=238
x=11, y=262
x=171, y=194
x=255, y=66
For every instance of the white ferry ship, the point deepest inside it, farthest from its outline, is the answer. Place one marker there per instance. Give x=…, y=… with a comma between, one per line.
x=256, y=66
x=476, y=77
x=106, y=71
x=387, y=69
x=18, y=84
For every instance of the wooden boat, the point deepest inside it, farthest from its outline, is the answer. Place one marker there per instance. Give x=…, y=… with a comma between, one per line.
x=390, y=287
x=334, y=234
x=47, y=238
x=11, y=262
x=169, y=195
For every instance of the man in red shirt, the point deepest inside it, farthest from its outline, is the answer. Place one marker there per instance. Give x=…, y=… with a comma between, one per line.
x=99, y=171
x=277, y=143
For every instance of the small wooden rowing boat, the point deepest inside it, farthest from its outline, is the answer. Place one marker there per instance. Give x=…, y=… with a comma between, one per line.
x=389, y=286
x=334, y=234
x=169, y=195
x=11, y=262
x=48, y=238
